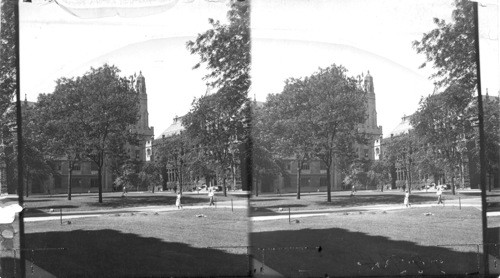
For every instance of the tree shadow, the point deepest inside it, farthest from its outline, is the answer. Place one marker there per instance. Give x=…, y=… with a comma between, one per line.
x=264, y=200
x=10, y=267
x=368, y=200
x=135, y=201
x=110, y=253
x=346, y=253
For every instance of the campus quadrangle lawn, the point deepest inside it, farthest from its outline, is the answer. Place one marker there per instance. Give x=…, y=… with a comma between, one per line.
x=269, y=204
x=149, y=244
x=114, y=200
x=400, y=242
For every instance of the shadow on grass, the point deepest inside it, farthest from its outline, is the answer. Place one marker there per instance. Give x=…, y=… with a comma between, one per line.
x=109, y=253
x=55, y=207
x=10, y=267
x=368, y=200
x=344, y=253
x=254, y=199
x=135, y=201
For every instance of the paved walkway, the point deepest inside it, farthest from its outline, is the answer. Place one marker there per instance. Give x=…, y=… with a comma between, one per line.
x=472, y=202
x=56, y=215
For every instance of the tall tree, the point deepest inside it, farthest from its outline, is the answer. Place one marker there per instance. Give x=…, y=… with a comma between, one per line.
x=8, y=58
x=61, y=129
x=88, y=117
x=264, y=161
x=337, y=106
x=8, y=54
x=212, y=125
x=224, y=50
x=440, y=125
x=449, y=48
x=107, y=106
x=286, y=125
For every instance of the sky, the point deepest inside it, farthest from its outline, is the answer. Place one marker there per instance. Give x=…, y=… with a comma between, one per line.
x=290, y=38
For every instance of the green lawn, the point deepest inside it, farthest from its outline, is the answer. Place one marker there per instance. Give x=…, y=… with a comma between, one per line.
x=268, y=204
x=402, y=242
x=89, y=202
x=144, y=244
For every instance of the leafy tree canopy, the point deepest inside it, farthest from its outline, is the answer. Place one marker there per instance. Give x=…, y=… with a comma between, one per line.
x=450, y=48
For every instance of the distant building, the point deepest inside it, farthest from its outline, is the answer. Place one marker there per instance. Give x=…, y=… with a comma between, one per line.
x=169, y=173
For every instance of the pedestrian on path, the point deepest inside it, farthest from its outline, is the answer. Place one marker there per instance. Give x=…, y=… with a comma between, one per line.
x=124, y=194
x=211, y=196
x=353, y=191
x=178, y=201
x=439, y=193
x=407, y=199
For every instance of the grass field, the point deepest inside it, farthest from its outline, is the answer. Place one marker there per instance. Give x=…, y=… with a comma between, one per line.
x=268, y=204
x=89, y=202
x=143, y=244
x=402, y=242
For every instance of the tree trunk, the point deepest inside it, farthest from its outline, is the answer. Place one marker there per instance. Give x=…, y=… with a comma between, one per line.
x=70, y=174
x=256, y=188
x=224, y=186
x=234, y=176
x=298, y=178
x=453, y=184
x=27, y=183
x=329, y=183
x=99, y=182
x=409, y=179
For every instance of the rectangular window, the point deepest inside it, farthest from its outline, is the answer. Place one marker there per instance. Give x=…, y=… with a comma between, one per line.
x=93, y=182
x=76, y=166
x=289, y=166
x=305, y=166
x=58, y=166
x=137, y=154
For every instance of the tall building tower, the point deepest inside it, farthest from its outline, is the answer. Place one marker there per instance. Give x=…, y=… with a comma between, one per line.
x=370, y=126
x=143, y=151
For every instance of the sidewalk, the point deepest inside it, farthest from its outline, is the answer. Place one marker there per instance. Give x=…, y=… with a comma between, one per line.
x=56, y=215
x=473, y=202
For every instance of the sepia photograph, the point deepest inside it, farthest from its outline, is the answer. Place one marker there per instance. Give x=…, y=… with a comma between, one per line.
x=238, y=138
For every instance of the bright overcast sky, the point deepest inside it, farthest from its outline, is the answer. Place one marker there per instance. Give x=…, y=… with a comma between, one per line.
x=290, y=38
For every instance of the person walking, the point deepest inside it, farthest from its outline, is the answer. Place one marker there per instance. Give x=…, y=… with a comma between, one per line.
x=124, y=194
x=353, y=191
x=439, y=193
x=407, y=199
x=178, y=201
x=211, y=195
